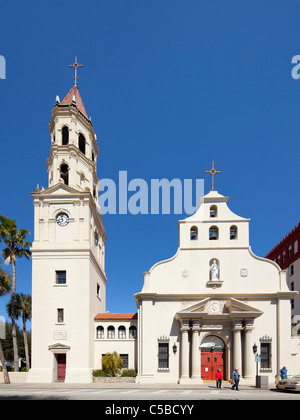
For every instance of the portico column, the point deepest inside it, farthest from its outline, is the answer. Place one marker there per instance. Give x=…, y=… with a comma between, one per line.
x=237, y=346
x=248, y=351
x=196, y=374
x=185, y=359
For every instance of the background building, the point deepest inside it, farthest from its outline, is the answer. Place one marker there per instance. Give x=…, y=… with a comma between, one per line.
x=286, y=254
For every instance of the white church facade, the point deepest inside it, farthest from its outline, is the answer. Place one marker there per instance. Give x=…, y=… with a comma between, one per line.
x=211, y=306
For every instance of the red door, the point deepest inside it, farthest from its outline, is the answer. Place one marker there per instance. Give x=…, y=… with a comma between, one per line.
x=210, y=362
x=61, y=367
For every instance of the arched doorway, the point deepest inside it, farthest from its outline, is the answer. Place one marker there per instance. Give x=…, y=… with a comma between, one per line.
x=212, y=357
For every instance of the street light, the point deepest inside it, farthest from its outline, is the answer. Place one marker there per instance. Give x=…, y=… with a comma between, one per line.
x=257, y=359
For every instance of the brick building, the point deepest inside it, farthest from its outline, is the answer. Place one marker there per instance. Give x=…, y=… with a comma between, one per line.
x=287, y=255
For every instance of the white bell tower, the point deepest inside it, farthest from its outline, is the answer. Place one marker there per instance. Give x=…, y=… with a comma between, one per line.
x=68, y=251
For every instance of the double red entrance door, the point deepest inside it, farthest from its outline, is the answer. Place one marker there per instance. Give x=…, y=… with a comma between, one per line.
x=210, y=362
x=61, y=367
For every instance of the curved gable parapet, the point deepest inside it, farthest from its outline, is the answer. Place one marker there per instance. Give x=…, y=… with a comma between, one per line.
x=264, y=259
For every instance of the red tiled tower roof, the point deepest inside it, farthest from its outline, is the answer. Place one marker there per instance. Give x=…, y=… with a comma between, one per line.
x=78, y=101
x=111, y=316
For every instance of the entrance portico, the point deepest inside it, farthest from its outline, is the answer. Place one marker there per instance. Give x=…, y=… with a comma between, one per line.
x=228, y=320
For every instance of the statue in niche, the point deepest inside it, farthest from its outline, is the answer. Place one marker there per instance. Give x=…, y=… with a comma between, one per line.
x=214, y=271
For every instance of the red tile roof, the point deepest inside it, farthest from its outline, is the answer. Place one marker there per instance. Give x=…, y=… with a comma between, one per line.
x=108, y=315
x=69, y=98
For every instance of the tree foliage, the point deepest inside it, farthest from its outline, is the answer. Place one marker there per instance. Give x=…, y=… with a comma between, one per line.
x=112, y=362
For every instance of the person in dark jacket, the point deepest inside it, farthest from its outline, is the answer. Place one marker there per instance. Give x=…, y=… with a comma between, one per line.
x=236, y=378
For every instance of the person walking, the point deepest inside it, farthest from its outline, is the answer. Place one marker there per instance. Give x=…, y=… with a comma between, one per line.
x=283, y=373
x=219, y=378
x=236, y=378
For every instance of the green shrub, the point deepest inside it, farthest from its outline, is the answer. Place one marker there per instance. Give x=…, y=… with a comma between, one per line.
x=99, y=372
x=129, y=373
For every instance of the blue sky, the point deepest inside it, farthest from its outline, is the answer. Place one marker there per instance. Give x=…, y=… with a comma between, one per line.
x=171, y=86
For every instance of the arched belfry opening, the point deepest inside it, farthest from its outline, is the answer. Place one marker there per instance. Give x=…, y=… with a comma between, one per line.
x=81, y=143
x=65, y=135
x=64, y=173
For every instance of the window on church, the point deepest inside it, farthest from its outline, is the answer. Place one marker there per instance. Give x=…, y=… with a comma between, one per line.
x=213, y=211
x=265, y=356
x=194, y=233
x=60, y=315
x=132, y=332
x=163, y=355
x=61, y=277
x=122, y=332
x=64, y=173
x=213, y=233
x=124, y=357
x=290, y=252
x=81, y=143
x=111, y=332
x=233, y=232
x=65, y=136
x=291, y=269
x=100, y=332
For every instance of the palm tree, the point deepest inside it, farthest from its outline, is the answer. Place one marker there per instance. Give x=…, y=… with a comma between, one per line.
x=5, y=286
x=112, y=362
x=22, y=307
x=16, y=246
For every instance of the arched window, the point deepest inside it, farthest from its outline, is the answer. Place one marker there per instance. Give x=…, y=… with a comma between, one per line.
x=213, y=211
x=296, y=247
x=111, y=332
x=213, y=233
x=64, y=135
x=132, y=332
x=233, y=232
x=122, y=332
x=64, y=173
x=81, y=143
x=100, y=332
x=194, y=233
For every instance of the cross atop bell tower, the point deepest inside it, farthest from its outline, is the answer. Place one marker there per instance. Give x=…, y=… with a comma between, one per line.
x=75, y=66
x=212, y=172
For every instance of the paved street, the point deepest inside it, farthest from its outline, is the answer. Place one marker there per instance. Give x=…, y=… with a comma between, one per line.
x=134, y=392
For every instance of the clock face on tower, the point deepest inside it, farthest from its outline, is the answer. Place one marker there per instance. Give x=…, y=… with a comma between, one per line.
x=62, y=219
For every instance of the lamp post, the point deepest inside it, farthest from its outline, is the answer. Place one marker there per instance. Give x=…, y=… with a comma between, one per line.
x=257, y=359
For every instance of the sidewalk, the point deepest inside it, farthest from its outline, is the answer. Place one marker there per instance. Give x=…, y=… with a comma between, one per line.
x=208, y=385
